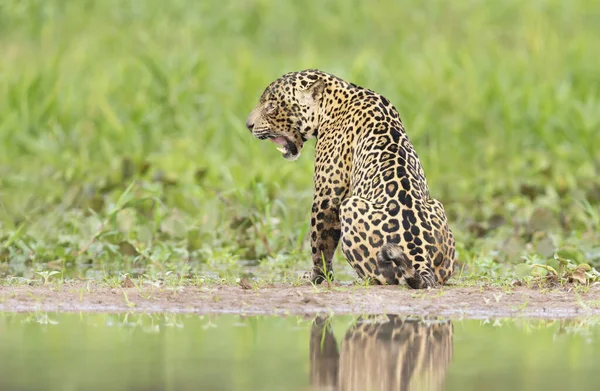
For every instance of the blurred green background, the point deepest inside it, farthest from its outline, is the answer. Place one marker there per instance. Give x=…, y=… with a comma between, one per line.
x=123, y=146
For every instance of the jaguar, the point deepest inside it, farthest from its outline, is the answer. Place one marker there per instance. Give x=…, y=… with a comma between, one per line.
x=370, y=190
x=382, y=353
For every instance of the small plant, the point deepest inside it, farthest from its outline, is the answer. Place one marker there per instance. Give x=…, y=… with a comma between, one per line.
x=129, y=303
x=47, y=274
x=569, y=271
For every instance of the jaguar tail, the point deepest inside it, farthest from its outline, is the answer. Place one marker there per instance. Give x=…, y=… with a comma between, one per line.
x=391, y=259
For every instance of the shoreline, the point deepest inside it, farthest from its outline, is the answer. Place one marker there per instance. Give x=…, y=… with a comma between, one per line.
x=283, y=299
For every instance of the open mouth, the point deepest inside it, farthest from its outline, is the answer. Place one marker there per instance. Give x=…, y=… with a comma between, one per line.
x=287, y=147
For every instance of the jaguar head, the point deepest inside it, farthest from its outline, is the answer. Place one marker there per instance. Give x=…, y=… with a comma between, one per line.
x=287, y=112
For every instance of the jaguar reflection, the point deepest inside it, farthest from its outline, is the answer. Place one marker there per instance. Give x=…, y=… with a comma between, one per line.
x=381, y=353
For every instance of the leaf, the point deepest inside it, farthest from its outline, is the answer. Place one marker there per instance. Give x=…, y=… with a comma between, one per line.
x=522, y=270
x=127, y=168
x=579, y=276
x=144, y=234
x=585, y=267
x=561, y=260
x=548, y=268
x=124, y=198
x=174, y=225
x=542, y=219
x=571, y=252
x=95, y=202
x=544, y=244
x=512, y=247
x=126, y=220
x=127, y=248
x=194, y=238
x=15, y=235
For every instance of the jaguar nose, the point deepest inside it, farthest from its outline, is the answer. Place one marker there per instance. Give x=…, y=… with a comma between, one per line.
x=249, y=125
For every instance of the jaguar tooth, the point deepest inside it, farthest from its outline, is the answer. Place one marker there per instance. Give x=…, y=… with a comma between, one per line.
x=282, y=150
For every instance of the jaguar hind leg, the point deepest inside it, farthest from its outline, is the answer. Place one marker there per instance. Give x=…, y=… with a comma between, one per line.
x=360, y=242
x=376, y=246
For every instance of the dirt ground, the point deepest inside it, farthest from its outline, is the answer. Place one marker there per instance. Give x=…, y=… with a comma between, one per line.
x=468, y=302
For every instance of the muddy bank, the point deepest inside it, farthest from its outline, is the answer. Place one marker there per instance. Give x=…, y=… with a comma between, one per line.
x=469, y=302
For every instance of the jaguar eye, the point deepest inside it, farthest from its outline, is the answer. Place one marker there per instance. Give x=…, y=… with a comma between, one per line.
x=271, y=108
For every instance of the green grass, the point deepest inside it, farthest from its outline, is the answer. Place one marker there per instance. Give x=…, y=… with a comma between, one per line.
x=123, y=147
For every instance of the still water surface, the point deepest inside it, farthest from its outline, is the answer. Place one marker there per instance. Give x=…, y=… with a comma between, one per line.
x=174, y=352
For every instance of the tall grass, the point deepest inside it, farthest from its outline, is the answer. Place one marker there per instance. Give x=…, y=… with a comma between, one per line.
x=96, y=94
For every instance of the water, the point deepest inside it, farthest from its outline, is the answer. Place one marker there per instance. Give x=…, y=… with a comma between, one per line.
x=167, y=352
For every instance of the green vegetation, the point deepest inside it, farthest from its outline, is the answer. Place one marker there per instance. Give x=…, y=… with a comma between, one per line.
x=123, y=147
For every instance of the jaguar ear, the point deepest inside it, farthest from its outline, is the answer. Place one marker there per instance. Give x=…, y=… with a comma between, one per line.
x=316, y=89
x=311, y=93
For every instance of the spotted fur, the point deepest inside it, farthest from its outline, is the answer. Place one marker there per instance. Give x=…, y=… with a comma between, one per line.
x=370, y=190
x=382, y=353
